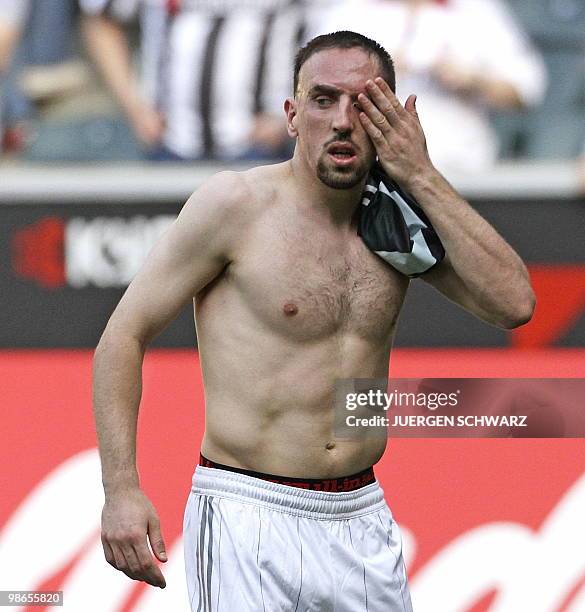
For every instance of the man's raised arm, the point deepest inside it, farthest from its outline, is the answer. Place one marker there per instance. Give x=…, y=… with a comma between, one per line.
x=194, y=251
x=481, y=271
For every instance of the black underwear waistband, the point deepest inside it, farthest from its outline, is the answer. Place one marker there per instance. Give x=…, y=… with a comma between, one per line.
x=333, y=485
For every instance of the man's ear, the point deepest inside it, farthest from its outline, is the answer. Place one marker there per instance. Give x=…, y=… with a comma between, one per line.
x=290, y=108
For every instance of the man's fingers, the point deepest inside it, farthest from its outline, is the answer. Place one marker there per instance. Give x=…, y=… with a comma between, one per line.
x=390, y=95
x=373, y=132
x=374, y=114
x=134, y=566
x=127, y=521
x=383, y=104
x=150, y=571
x=119, y=559
x=156, y=540
x=410, y=104
x=108, y=552
x=133, y=558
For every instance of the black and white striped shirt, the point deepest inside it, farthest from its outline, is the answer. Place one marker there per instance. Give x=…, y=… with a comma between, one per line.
x=228, y=60
x=223, y=61
x=154, y=17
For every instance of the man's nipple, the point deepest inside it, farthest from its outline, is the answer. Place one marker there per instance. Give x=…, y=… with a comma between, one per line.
x=290, y=309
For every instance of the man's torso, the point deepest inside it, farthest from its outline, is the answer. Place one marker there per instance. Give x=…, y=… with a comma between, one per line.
x=302, y=304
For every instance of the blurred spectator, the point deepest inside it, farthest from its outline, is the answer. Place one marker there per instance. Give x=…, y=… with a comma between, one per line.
x=104, y=29
x=555, y=129
x=41, y=70
x=214, y=74
x=462, y=58
x=12, y=18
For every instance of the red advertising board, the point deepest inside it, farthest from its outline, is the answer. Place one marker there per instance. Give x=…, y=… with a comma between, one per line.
x=488, y=524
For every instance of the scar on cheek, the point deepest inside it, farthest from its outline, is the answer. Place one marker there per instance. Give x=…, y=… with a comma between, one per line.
x=290, y=309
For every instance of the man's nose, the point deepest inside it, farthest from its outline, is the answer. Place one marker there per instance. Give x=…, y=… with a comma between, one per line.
x=344, y=117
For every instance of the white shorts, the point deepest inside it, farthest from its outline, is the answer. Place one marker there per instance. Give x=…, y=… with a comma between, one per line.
x=258, y=546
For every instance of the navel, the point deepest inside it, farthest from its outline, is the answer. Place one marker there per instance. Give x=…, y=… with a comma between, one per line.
x=290, y=309
x=330, y=445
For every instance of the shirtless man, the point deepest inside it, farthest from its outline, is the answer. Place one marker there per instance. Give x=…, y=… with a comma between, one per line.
x=288, y=299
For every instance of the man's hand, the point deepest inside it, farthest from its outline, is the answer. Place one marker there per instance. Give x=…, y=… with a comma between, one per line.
x=396, y=132
x=457, y=78
x=497, y=92
x=128, y=518
x=148, y=124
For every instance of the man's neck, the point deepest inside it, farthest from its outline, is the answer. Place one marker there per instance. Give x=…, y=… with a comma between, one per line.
x=337, y=205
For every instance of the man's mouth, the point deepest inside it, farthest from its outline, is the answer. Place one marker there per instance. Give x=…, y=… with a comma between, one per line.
x=342, y=153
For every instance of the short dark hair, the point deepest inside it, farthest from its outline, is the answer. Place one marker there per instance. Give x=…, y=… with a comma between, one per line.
x=345, y=39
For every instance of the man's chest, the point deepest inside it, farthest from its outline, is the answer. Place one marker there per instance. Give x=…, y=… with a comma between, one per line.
x=309, y=285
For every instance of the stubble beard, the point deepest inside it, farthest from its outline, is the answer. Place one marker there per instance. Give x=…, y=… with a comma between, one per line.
x=340, y=178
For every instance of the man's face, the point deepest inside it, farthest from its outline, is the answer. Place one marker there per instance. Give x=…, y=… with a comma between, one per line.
x=330, y=135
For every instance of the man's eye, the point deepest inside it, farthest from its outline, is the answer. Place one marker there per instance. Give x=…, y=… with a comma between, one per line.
x=323, y=101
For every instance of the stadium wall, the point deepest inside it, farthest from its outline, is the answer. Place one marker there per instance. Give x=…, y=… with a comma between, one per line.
x=71, y=239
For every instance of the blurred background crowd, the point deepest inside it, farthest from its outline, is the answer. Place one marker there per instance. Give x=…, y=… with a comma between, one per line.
x=185, y=80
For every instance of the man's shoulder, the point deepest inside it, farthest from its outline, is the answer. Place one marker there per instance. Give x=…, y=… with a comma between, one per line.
x=228, y=204
x=244, y=190
x=266, y=179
